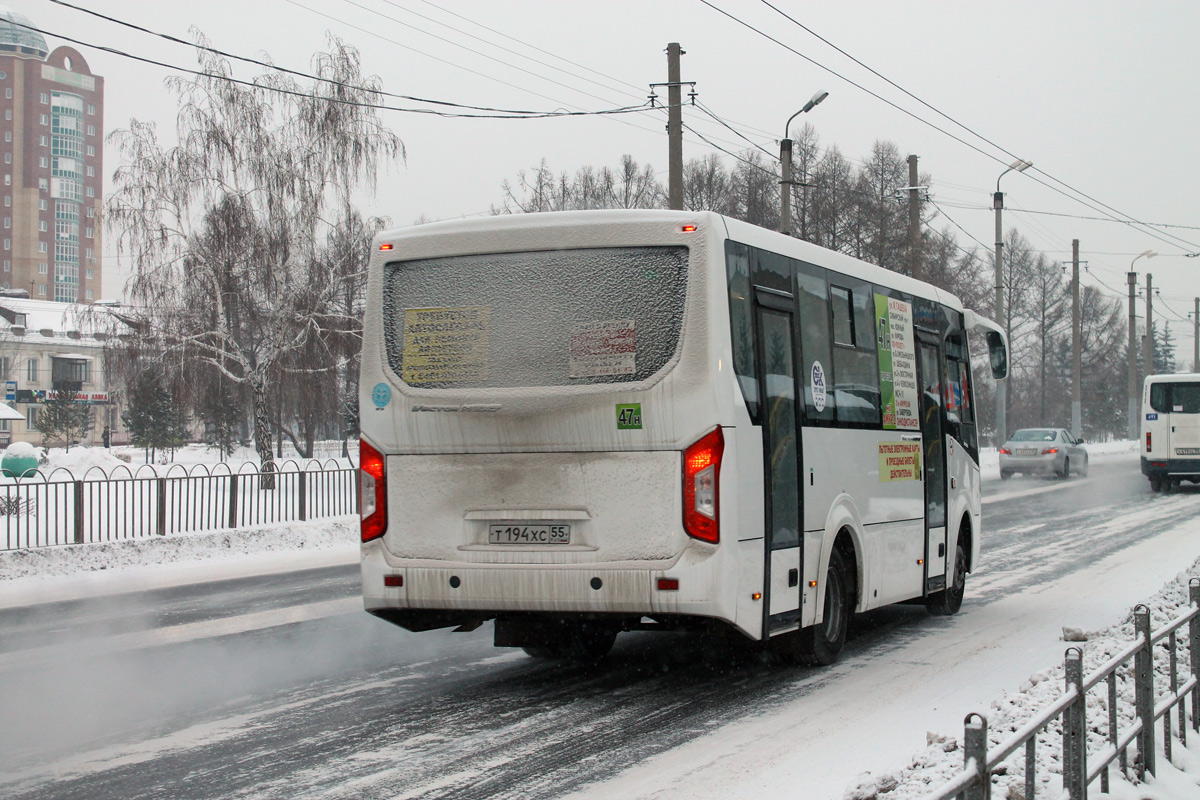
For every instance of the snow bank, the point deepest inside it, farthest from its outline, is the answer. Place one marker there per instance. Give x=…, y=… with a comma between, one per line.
x=942, y=759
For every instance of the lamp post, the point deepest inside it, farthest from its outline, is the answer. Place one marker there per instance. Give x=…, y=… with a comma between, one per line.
x=785, y=158
x=1132, y=414
x=1019, y=165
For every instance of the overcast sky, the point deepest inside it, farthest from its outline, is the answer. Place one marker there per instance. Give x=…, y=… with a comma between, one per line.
x=1100, y=95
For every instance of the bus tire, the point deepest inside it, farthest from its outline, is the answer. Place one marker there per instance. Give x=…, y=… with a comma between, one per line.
x=587, y=642
x=949, y=600
x=1155, y=485
x=1005, y=475
x=822, y=643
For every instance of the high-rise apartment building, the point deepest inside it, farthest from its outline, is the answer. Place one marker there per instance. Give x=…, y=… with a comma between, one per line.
x=52, y=158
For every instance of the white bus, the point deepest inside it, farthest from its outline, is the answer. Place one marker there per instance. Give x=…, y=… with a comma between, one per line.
x=582, y=423
x=1171, y=430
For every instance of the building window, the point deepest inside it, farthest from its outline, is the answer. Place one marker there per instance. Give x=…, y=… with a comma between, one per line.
x=43, y=119
x=7, y=265
x=8, y=180
x=89, y=295
x=91, y=130
x=8, y=93
x=7, y=200
x=43, y=225
x=42, y=289
x=91, y=150
x=8, y=158
x=8, y=222
x=31, y=370
x=42, y=205
x=8, y=136
x=8, y=114
x=43, y=267
x=91, y=191
x=43, y=184
x=91, y=233
x=91, y=109
x=8, y=244
x=91, y=253
x=45, y=98
x=31, y=418
x=91, y=212
x=42, y=141
x=91, y=273
x=42, y=247
x=43, y=162
x=91, y=172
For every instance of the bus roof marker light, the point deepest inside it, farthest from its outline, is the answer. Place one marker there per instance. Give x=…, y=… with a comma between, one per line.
x=688, y=228
x=386, y=246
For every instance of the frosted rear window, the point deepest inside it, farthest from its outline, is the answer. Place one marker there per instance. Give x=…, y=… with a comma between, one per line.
x=546, y=318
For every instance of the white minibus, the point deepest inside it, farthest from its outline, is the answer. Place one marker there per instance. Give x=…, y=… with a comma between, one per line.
x=581, y=423
x=1171, y=430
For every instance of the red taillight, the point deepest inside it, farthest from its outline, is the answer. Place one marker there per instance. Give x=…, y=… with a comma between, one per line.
x=373, y=500
x=1047, y=451
x=689, y=228
x=1006, y=451
x=668, y=584
x=701, y=487
x=1147, y=441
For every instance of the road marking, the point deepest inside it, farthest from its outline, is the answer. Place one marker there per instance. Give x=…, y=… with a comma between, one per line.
x=191, y=631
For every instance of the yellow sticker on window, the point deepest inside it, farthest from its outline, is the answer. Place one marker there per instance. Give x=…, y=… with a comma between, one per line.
x=445, y=344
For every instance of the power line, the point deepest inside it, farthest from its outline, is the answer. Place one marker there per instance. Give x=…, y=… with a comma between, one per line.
x=942, y=211
x=339, y=101
x=1128, y=219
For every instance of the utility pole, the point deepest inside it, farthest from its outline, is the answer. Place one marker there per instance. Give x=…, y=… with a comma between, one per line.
x=785, y=186
x=1132, y=419
x=1001, y=386
x=914, y=219
x=1148, y=342
x=1196, y=337
x=1076, y=346
x=674, y=128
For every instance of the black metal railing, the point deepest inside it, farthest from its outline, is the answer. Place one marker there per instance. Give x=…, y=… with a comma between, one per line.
x=1126, y=724
x=43, y=510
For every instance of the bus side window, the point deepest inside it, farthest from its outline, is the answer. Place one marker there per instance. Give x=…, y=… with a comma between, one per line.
x=812, y=301
x=855, y=363
x=741, y=321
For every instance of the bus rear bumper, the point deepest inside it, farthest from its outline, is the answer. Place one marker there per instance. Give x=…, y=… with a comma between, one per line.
x=447, y=594
x=1173, y=468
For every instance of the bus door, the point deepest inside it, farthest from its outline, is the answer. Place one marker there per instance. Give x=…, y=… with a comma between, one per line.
x=781, y=468
x=933, y=458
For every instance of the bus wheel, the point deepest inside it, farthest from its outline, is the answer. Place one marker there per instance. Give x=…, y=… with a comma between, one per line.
x=949, y=600
x=1005, y=474
x=1155, y=485
x=822, y=643
x=588, y=642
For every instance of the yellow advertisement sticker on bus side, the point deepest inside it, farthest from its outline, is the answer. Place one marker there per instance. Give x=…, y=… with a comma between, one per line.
x=899, y=461
x=445, y=344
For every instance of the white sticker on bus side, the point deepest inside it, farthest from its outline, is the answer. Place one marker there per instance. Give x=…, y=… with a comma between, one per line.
x=818, y=386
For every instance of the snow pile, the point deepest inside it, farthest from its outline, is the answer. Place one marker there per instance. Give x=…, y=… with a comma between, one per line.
x=23, y=450
x=942, y=759
x=49, y=562
x=79, y=460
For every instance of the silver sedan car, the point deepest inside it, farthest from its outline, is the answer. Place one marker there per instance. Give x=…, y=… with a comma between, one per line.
x=1043, y=451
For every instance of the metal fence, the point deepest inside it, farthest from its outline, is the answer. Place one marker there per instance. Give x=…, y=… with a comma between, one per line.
x=62, y=508
x=1126, y=724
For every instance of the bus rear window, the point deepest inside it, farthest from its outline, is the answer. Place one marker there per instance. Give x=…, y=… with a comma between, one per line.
x=1175, y=398
x=544, y=318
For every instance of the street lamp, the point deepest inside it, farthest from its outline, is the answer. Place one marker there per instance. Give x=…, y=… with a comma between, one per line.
x=785, y=157
x=1020, y=165
x=1132, y=410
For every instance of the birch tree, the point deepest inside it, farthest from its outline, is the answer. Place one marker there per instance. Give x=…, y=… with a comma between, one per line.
x=223, y=229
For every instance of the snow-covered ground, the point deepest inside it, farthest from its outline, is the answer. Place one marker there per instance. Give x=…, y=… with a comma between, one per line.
x=742, y=759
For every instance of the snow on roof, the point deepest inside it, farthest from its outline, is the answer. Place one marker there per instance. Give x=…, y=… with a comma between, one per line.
x=75, y=321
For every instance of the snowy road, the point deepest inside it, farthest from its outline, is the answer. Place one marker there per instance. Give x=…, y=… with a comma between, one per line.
x=278, y=687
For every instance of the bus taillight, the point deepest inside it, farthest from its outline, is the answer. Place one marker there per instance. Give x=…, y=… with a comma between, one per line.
x=1147, y=441
x=373, y=501
x=701, y=492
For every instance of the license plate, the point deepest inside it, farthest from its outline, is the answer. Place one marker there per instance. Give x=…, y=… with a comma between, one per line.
x=1025, y=451
x=1187, y=451
x=529, y=534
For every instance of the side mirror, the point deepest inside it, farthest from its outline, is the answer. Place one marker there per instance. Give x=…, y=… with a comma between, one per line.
x=997, y=354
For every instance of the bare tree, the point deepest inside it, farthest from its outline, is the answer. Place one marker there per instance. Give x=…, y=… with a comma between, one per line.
x=224, y=228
